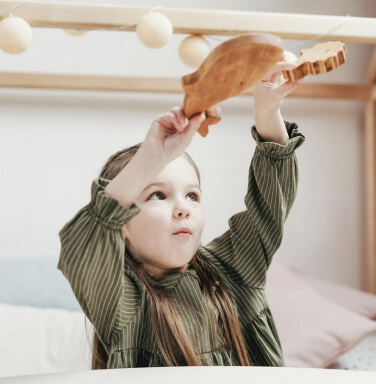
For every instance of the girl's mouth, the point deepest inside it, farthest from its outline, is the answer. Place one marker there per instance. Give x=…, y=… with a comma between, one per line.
x=184, y=230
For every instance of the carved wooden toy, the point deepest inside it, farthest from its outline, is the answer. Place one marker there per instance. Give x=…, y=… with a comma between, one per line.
x=229, y=69
x=321, y=58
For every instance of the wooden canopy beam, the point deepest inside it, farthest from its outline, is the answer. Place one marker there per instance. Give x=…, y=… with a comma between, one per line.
x=198, y=21
x=371, y=72
x=165, y=85
x=370, y=194
x=370, y=177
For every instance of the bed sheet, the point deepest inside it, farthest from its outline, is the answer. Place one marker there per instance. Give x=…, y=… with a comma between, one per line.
x=202, y=375
x=360, y=358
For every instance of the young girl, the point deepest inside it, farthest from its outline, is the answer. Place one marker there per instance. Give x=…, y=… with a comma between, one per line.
x=154, y=294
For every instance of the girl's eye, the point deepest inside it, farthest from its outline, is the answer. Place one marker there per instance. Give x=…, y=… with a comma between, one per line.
x=194, y=195
x=156, y=194
x=159, y=196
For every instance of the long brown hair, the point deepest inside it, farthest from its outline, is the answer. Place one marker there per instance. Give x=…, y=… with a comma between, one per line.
x=167, y=325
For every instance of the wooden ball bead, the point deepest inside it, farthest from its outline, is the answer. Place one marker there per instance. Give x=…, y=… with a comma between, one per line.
x=154, y=30
x=194, y=50
x=15, y=35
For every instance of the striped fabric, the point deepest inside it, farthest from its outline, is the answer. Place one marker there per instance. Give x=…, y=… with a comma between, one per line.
x=116, y=301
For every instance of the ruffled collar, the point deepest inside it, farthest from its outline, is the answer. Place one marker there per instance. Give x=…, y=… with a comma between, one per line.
x=170, y=281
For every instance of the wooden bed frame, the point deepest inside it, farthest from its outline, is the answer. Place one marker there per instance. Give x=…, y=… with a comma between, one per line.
x=227, y=23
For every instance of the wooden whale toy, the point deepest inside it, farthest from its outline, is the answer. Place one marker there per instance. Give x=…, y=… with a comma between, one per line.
x=229, y=69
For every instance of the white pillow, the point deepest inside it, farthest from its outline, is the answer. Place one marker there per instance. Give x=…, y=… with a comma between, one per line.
x=42, y=340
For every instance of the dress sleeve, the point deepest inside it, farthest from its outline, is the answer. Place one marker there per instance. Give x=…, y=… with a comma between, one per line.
x=92, y=260
x=245, y=251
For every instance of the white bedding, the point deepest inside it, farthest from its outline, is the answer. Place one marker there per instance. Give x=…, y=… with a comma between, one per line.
x=41, y=340
x=362, y=357
x=202, y=375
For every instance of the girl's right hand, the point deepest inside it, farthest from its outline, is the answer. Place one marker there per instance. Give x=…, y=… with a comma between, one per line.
x=170, y=134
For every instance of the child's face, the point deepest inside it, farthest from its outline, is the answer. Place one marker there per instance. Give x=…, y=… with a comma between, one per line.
x=150, y=236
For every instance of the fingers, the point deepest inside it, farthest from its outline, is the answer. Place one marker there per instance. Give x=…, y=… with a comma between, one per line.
x=173, y=120
x=183, y=124
x=281, y=66
x=181, y=118
x=193, y=126
x=169, y=120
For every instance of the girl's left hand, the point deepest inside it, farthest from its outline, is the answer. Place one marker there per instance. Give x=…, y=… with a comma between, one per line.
x=270, y=91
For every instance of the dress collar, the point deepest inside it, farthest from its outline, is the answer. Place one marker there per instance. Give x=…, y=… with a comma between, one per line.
x=170, y=281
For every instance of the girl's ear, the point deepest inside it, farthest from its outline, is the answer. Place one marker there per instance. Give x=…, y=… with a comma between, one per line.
x=123, y=232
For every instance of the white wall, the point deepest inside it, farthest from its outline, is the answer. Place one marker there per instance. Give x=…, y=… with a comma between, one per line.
x=53, y=143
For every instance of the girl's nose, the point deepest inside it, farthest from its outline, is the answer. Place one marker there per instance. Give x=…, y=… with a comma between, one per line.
x=182, y=212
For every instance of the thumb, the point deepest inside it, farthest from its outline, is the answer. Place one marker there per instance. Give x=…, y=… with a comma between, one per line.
x=193, y=126
x=287, y=88
x=281, y=66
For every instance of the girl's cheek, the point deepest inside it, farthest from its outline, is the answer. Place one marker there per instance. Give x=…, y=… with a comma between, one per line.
x=153, y=211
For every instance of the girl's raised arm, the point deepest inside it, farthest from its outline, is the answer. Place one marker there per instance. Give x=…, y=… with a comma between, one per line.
x=245, y=251
x=168, y=137
x=92, y=245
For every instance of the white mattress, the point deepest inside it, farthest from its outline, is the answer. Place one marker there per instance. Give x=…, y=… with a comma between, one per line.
x=202, y=375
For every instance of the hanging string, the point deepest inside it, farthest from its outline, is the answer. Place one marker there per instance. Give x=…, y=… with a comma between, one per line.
x=305, y=41
x=129, y=25
x=322, y=35
x=124, y=27
x=16, y=6
x=214, y=38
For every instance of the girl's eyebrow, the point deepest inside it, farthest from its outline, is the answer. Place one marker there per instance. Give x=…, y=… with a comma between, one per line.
x=164, y=184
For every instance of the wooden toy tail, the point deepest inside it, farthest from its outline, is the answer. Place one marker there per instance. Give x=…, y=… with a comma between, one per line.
x=213, y=116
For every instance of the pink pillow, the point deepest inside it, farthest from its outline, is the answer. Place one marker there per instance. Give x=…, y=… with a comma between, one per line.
x=363, y=303
x=313, y=330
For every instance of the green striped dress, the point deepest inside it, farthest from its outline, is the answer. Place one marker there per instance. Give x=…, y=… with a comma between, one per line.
x=116, y=302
